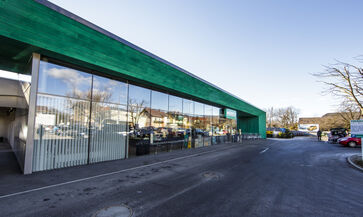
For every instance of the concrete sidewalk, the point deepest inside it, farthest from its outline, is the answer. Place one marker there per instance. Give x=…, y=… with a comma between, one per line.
x=8, y=163
x=13, y=181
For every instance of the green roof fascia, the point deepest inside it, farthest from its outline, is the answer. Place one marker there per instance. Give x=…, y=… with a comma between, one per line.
x=40, y=26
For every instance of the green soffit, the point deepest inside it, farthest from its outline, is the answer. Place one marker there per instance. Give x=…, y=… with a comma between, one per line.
x=39, y=26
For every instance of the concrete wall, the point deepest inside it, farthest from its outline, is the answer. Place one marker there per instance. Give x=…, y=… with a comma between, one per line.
x=17, y=133
x=12, y=93
x=4, y=123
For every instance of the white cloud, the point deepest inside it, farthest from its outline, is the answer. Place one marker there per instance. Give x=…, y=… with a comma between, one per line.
x=71, y=77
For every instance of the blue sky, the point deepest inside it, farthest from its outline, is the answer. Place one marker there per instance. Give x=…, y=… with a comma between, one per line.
x=261, y=51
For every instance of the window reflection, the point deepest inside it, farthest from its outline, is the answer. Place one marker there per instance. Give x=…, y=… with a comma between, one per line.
x=224, y=129
x=61, y=132
x=62, y=117
x=108, y=90
x=175, y=122
x=159, y=100
x=108, y=120
x=68, y=120
x=208, y=115
x=198, y=128
x=76, y=109
x=235, y=132
x=166, y=122
x=62, y=81
x=188, y=112
x=139, y=120
x=218, y=135
x=158, y=113
x=175, y=104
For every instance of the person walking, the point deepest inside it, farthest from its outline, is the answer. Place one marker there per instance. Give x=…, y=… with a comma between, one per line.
x=319, y=135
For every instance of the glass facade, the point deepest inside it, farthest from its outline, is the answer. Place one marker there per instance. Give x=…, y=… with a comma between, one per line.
x=159, y=117
x=62, y=117
x=218, y=134
x=188, y=112
x=208, y=115
x=139, y=120
x=165, y=122
x=108, y=123
x=84, y=118
x=198, y=127
x=175, y=123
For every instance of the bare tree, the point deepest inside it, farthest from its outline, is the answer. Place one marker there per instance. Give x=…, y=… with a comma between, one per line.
x=344, y=80
x=287, y=117
x=81, y=108
x=136, y=110
x=282, y=117
x=270, y=116
x=101, y=109
x=348, y=111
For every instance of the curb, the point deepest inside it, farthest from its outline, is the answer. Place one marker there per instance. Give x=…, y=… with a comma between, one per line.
x=353, y=164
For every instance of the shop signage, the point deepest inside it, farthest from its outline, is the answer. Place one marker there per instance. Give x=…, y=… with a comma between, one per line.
x=230, y=114
x=356, y=129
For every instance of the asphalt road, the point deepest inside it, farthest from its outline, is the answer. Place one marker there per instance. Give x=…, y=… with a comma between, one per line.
x=299, y=177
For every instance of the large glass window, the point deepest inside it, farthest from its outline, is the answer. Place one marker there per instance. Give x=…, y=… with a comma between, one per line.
x=188, y=112
x=108, y=120
x=63, y=81
x=175, y=123
x=224, y=129
x=139, y=120
x=175, y=104
x=159, y=116
x=83, y=118
x=76, y=123
x=62, y=117
x=227, y=121
x=159, y=101
x=167, y=125
x=217, y=127
x=231, y=116
x=198, y=129
x=208, y=115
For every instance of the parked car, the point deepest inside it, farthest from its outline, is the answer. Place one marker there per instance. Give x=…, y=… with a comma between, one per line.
x=350, y=141
x=299, y=133
x=269, y=132
x=274, y=131
x=336, y=133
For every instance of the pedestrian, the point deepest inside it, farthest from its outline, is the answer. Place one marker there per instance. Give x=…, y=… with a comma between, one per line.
x=319, y=135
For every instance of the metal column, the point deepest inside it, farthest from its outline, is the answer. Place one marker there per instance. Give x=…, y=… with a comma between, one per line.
x=28, y=162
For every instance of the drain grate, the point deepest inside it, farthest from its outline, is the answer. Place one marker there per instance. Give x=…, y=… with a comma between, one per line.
x=115, y=211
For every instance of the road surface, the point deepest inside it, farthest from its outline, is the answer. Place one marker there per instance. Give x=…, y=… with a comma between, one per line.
x=274, y=177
